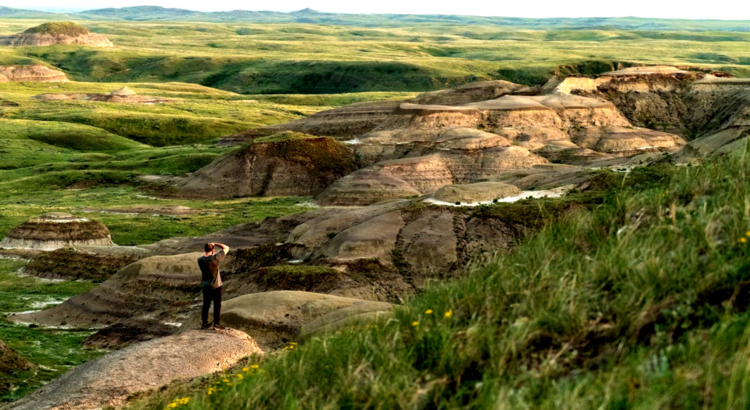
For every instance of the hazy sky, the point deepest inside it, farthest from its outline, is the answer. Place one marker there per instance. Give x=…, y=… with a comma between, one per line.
x=717, y=9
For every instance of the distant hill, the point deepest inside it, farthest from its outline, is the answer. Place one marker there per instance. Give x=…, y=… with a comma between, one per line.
x=156, y=13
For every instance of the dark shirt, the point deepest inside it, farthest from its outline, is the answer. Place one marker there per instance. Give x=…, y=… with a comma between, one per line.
x=209, y=265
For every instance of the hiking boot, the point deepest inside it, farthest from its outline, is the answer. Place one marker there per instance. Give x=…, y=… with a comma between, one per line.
x=205, y=326
x=219, y=327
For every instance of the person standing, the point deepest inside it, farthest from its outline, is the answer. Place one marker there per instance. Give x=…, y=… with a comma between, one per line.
x=211, y=282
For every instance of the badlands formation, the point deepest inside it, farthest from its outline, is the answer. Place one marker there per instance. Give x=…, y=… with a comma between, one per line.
x=31, y=73
x=385, y=229
x=48, y=34
x=57, y=230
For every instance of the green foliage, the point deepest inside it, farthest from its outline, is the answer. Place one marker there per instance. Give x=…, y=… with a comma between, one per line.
x=640, y=302
x=54, y=351
x=401, y=53
x=296, y=277
x=64, y=28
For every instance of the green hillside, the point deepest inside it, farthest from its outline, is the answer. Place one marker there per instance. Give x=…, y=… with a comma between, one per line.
x=274, y=58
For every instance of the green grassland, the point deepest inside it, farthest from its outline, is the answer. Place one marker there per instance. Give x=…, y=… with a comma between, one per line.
x=253, y=58
x=54, y=351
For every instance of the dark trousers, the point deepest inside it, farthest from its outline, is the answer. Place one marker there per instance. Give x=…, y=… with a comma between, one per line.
x=211, y=294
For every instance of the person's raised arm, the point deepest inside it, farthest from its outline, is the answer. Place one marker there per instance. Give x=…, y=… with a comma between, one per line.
x=222, y=246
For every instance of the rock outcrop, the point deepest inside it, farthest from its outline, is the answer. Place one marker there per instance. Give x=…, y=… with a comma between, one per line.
x=286, y=164
x=274, y=318
x=477, y=192
x=54, y=33
x=57, y=230
x=123, y=95
x=707, y=109
x=421, y=148
x=110, y=379
x=31, y=73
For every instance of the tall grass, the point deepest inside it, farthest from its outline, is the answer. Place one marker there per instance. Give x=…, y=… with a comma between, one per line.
x=640, y=303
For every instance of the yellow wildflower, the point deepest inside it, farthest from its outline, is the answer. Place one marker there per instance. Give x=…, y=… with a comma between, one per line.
x=225, y=381
x=449, y=313
x=245, y=369
x=185, y=400
x=428, y=312
x=255, y=366
x=171, y=405
x=747, y=233
x=743, y=240
x=415, y=324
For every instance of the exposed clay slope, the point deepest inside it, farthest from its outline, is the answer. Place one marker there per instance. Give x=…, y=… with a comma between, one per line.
x=57, y=230
x=292, y=164
x=32, y=73
x=110, y=379
x=274, y=318
x=705, y=108
x=54, y=33
x=421, y=148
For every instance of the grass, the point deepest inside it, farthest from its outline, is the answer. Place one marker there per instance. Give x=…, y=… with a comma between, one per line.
x=55, y=28
x=640, y=303
x=54, y=351
x=294, y=57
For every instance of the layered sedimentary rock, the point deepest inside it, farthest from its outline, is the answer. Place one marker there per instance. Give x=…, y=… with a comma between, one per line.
x=110, y=379
x=421, y=148
x=123, y=95
x=54, y=33
x=293, y=164
x=57, y=230
x=32, y=73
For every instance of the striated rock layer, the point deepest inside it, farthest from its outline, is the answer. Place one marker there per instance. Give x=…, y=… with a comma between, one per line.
x=57, y=230
x=31, y=73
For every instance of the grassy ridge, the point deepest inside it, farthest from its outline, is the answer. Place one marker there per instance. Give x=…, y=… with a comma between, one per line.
x=641, y=303
x=328, y=57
